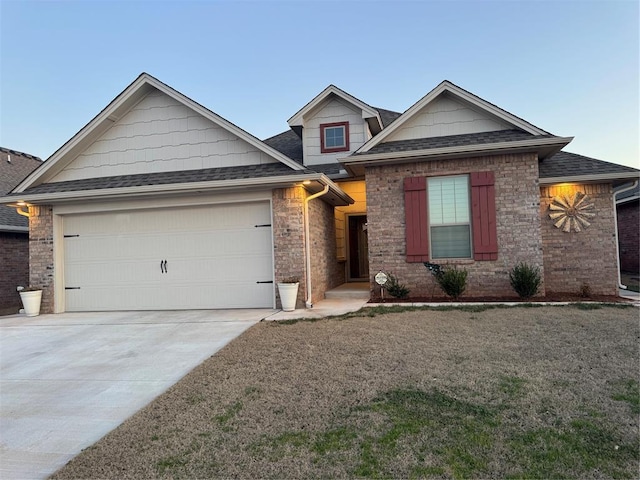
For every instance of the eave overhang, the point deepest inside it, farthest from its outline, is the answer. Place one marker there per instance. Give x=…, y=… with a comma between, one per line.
x=615, y=178
x=311, y=182
x=544, y=147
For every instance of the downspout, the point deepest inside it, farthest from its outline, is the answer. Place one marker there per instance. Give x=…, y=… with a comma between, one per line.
x=307, y=242
x=615, y=219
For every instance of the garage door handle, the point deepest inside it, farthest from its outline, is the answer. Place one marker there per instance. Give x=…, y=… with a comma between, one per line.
x=163, y=266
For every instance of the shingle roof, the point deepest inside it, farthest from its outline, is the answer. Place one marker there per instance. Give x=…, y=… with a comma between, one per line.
x=387, y=116
x=287, y=143
x=166, y=178
x=11, y=174
x=566, y=164
x=452, y=141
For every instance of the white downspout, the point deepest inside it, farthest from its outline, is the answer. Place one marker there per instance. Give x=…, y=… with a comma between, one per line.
x=307, y=242
x=615, y=218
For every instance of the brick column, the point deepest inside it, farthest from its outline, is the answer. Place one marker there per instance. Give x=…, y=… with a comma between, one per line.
x=41, y=253
x=288, y=239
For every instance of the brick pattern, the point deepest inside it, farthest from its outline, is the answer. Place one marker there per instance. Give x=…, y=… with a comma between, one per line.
x=41, y=253
x=14, y=258
x=326, y=271
x=288, y=239
x=586, y=257
x=518, y=222
x=628, y=236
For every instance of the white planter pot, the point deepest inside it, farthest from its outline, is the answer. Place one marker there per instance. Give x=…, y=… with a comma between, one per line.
x=288, y=295
x=31, y=302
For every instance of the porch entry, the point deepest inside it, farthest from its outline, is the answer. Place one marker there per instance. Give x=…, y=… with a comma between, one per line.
x=357, y=248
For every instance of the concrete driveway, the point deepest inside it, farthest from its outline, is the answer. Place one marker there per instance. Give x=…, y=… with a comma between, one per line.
x=68, y=379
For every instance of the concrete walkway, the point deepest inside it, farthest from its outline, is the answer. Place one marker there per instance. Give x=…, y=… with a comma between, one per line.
x=66, y=380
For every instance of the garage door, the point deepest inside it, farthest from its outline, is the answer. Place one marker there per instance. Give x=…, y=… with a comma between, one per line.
x=184, y=258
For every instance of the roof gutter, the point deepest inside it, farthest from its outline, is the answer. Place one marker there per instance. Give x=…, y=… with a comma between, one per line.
x=307, y=242
x=589, y=178
x=615, y=219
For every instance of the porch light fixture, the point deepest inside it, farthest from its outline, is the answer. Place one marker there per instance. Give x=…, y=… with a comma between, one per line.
x=22, y=208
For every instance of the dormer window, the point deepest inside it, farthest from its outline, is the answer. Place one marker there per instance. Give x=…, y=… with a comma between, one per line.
x=334, y=137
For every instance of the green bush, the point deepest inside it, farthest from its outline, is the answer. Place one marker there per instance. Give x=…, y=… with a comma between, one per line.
x=525, y=279
x=394, y=288
x=452, y=281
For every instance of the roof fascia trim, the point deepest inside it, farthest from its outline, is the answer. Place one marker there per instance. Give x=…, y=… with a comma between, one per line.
x=449, y=87
x=10, y=228
x=459, y=150
x=589, y=178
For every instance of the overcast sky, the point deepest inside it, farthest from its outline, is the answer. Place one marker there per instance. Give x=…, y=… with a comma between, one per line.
x=569, y=67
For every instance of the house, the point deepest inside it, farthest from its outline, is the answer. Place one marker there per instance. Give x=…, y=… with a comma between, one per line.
x=627, y=206
x=159, y=203
x=14, y=228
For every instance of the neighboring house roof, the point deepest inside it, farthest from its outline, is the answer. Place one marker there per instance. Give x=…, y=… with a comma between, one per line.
x=628, y=195
x=14, y=167
x=571, y=167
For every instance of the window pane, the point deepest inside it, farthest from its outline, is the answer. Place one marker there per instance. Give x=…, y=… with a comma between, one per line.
x=451, y=242
x=448, y=200
x=334, y=137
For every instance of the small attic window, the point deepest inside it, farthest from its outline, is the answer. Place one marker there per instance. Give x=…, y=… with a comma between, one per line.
x=334, y=137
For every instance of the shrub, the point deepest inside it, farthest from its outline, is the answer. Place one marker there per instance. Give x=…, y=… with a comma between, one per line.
x=585, y=290
x=452, y=281
x=525, y=279
x=394, y=288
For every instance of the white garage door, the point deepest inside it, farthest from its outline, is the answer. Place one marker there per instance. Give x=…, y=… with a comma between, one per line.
x=184, y=258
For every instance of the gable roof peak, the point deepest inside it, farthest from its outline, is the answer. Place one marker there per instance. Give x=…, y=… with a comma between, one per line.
x=446, y=86
x=368, y=112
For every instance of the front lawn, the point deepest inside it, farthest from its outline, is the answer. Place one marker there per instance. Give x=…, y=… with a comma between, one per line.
x=547, y=392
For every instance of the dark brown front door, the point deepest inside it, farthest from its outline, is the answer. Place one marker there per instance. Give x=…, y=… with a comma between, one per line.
x=358, y=248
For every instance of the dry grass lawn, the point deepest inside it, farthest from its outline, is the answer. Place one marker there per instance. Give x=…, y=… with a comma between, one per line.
x=510, y=392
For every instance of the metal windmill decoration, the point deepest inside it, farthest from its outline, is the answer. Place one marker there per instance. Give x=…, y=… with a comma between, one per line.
x=572, y=213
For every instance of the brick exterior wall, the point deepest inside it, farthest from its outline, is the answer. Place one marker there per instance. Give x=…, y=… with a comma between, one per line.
x=518, y=223
x=41, y=253
x=326, y=271
x=628, y=236
x=14, y=258
x=586, y=257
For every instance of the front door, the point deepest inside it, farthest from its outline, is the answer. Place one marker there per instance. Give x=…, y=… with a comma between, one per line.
x=358, y=248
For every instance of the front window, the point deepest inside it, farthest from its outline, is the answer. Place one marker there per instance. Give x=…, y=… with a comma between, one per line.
x=334, y=137
x=449, y=217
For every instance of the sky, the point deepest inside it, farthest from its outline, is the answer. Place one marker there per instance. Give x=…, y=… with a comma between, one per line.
x=568, y=67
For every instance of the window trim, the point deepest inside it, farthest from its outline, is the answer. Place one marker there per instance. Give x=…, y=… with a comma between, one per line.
x=343, y=148
x=469, y=222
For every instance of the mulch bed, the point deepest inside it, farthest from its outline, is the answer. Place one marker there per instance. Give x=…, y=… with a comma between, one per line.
x=550, y=298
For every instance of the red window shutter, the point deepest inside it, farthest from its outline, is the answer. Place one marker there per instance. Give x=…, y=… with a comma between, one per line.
x=416, y=228
x=483, y=215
